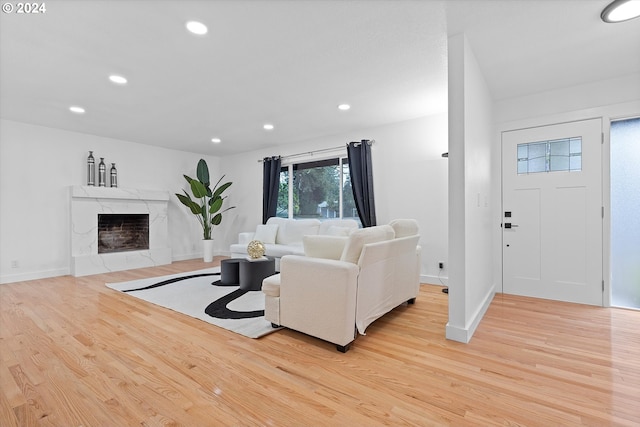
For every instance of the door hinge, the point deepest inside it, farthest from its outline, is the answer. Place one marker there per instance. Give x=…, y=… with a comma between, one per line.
x=602, y=212
x=602, y=285
x=601, y=137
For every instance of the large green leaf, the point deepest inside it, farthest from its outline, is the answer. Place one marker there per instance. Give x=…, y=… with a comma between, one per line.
x=198, y=189
x=217, y=219
x=221, y=189
x=202, y=172
x=184, y=199
x=216, y=205
x=188, y=178
x=193, y=206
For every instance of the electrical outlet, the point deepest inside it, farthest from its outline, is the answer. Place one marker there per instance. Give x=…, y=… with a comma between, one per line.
x=441, y=265
x=15, y=263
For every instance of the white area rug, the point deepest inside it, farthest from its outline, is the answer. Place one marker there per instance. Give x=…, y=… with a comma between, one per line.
x=192, y=293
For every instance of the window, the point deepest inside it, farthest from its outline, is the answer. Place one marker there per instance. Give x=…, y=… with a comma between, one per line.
x=625, y=205
x=320, y=189
x=560, y=155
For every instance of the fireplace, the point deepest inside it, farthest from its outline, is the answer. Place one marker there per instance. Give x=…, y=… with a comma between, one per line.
x=122, y=232
x=115, y=229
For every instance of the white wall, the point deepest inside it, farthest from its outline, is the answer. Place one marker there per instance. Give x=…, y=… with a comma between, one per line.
x=410, y=181
x=471, y=284
x=37, y=167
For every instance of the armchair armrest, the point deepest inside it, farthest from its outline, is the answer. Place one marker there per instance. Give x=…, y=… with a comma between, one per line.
x=318, y=297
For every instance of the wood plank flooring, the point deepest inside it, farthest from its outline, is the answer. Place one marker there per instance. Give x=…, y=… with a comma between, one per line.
x=76, y=353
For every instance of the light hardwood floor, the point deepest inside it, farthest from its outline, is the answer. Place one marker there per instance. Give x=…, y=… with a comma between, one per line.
x=75, y=353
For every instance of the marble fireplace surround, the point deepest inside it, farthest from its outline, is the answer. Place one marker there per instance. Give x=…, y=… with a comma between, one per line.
x=87, y=202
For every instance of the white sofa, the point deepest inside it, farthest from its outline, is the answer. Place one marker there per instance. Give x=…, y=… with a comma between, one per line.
x=345, y=283
x=282, y=236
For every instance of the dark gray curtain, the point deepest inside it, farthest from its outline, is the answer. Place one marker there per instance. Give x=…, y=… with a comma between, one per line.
x=270, y=186
x=359, y=154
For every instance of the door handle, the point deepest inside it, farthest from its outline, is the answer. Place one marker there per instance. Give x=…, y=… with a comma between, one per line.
x=509, y=225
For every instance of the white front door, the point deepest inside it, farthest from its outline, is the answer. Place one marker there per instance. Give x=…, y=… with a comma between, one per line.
x=552, y=212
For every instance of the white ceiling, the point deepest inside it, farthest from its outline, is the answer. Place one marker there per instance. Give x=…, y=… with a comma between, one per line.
x=286, y=62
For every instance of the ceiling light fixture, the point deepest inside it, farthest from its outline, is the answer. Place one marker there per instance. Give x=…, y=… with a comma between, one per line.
x=621, y=10
x=197, y=28
x=344, y=107
x=216, y=140
x=119, y=80
x=268, y=126
x=76, y=109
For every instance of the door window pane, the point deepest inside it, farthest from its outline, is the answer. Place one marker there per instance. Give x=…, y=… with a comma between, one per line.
x=559, y=155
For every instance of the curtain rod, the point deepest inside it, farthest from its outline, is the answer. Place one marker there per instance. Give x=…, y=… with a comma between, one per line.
x=311, y=153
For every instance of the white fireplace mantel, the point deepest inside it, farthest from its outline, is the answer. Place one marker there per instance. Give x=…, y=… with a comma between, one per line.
x=87, y=202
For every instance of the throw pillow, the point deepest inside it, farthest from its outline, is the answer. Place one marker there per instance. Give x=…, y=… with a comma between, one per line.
x=334, y=230
x=404, y=227
x=266, y=233
x=327, y=247
x=358, y=238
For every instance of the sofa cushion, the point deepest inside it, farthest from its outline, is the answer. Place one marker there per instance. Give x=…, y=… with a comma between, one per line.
x=358, y=238
x=404, y=227
x=266, y=233
x=327, y=247
x=278, y=251
x=338, y=231
x=293, y=230
x=328, y=224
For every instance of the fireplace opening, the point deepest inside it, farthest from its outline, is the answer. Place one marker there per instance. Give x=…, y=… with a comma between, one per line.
x=122, y=232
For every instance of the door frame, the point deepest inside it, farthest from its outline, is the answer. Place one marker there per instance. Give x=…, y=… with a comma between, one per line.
x=605, y=193
x=549, y=108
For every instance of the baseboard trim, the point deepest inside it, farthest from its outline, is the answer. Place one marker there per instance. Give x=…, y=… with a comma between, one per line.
x=196, y=255
x=186, y=257
x=34, y=275
x=464, y=335
x=434, y=280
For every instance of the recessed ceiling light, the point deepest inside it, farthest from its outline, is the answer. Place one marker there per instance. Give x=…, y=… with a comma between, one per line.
x=344, y=107
x=216, y=140
x=197, y=28
x=621, y=10
x=268, y=126
x=118, y=79
x=76, y=109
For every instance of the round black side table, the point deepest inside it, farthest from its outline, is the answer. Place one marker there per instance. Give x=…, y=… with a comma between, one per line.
x=253, y=272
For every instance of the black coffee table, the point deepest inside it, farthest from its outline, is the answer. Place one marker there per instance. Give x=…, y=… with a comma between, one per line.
x=248, y=274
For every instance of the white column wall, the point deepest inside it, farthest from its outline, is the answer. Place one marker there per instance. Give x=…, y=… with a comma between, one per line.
x=471, y=284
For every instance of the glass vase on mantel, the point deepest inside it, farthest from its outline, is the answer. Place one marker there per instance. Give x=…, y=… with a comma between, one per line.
x=102, y=173
x=114, y=175
x=91, y=170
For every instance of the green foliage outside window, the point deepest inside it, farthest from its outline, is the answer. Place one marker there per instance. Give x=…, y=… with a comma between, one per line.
x=316, y=190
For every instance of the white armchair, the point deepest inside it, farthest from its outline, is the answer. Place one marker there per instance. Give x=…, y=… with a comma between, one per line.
x=347, y=283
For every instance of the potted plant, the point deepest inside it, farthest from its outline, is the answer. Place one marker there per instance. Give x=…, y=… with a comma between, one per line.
x=208, y=208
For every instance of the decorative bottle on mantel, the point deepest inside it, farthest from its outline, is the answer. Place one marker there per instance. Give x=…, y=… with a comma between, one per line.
x=102, y=173
x=91, y=170
x=114, y=175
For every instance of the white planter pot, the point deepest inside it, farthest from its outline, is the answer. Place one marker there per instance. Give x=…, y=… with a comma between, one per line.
x=207, y=246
